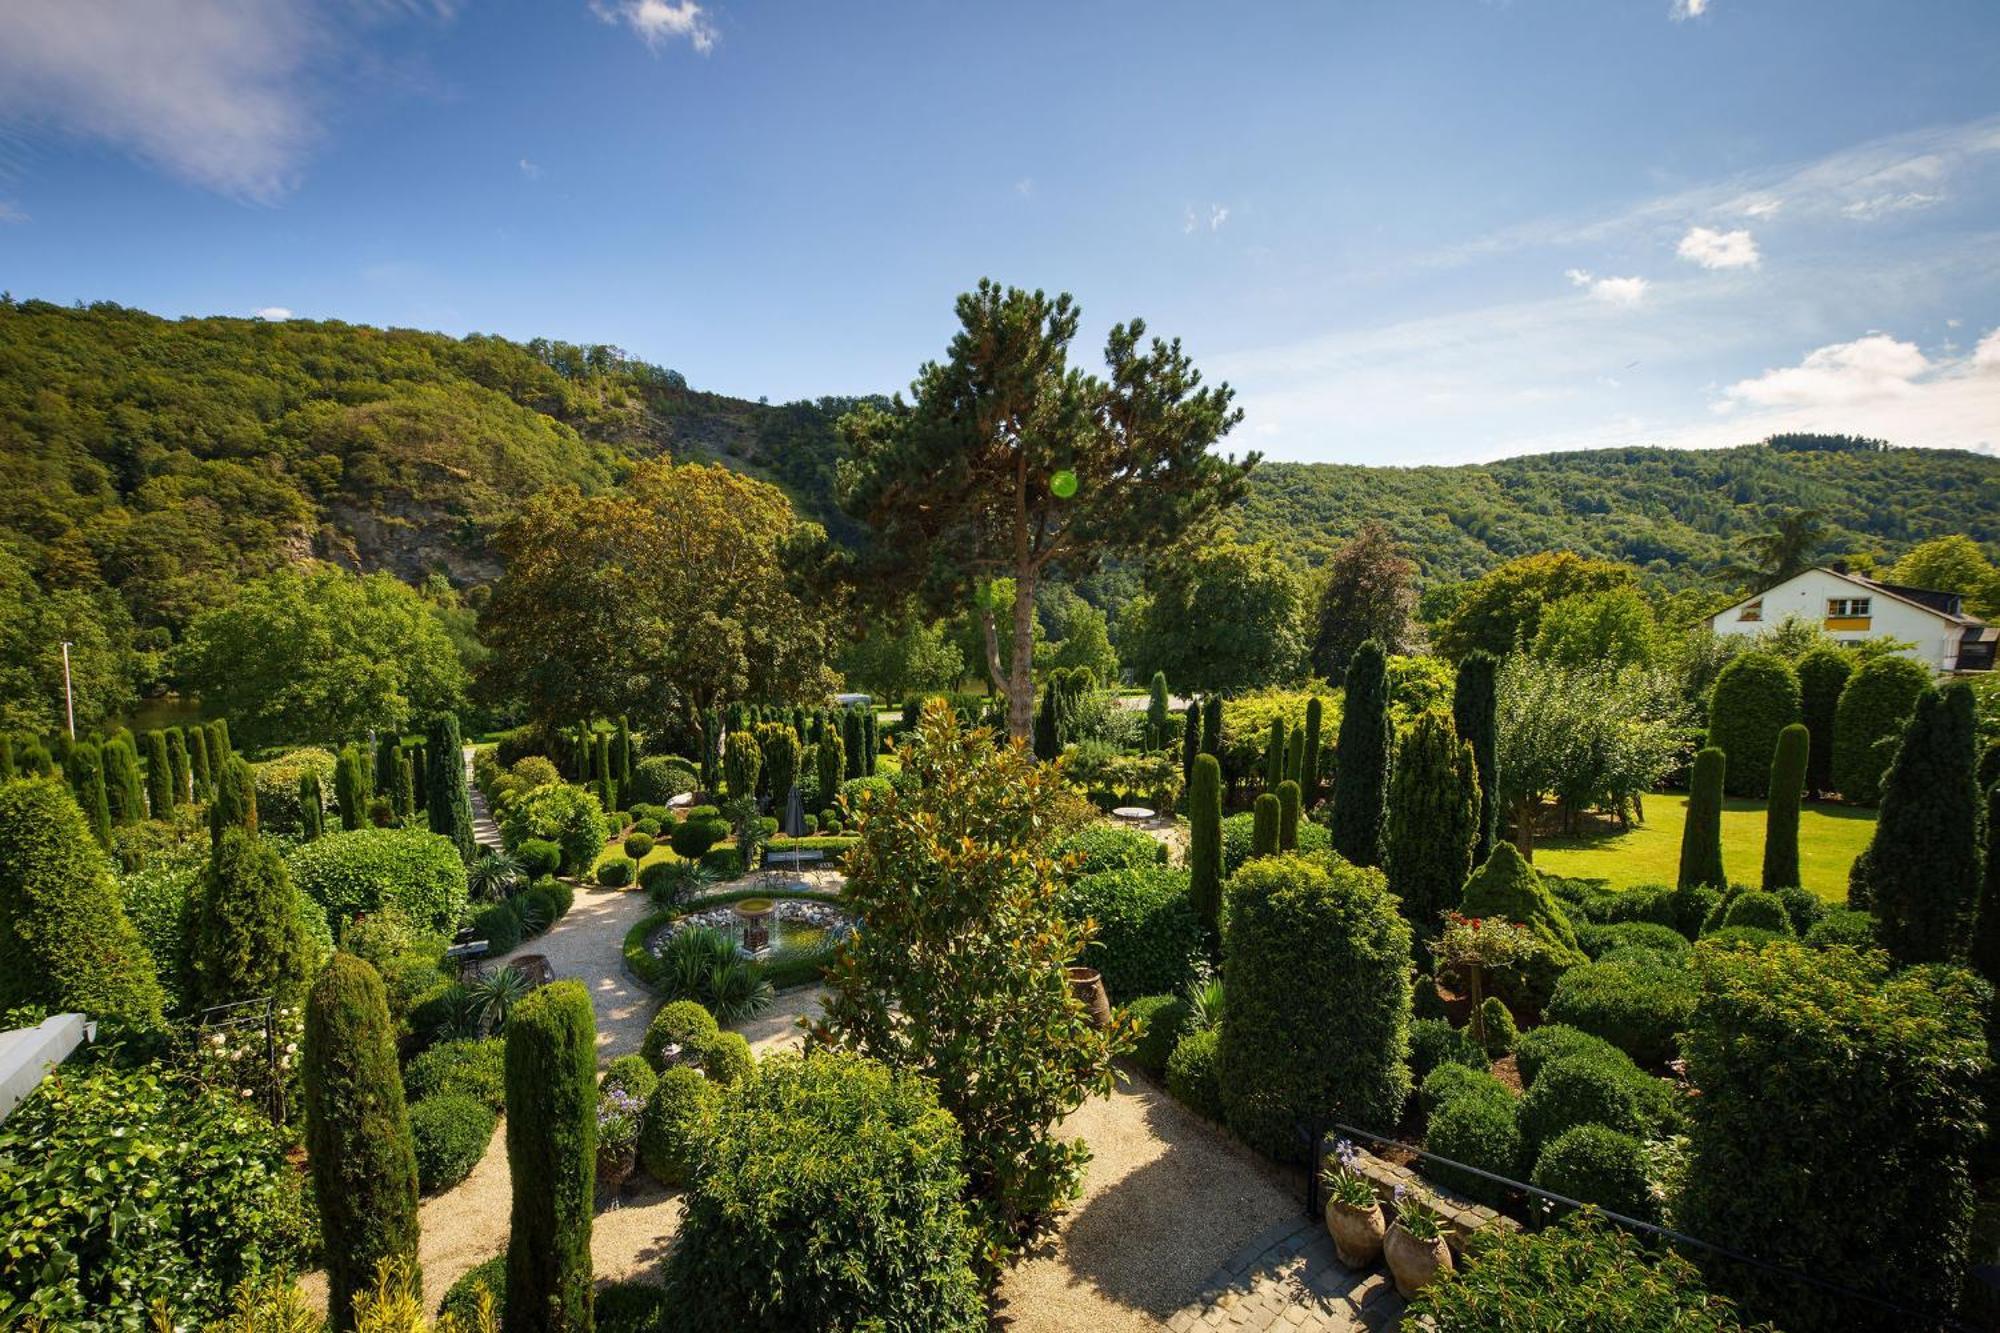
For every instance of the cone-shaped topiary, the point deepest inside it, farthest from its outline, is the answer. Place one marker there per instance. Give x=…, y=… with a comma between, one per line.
x=1159, y=714
x=246, y=938
x=1922, y=868
x=1755, y=698
x=1701, y=838
x=85, y=767
x=348, y=791
x=122, y=783
x=1822, y=673
x=552, y=1153
x=1309, y=764
x=199, y=769
x=1874, y=704
x=1288, y=816
x=177, y=764
x=1475, y=704
x=1274, y=755
x=65, y=941
x=1433, y=809
x=1205, y=843
x=1781, y=816
x=1190, y=741
x=1506, y=886
x=1264, y=834
x=1211, y=725
x=235, y=804
x=1361, y=782
x=447, y=800
x=159, y=776
x=364, y=1167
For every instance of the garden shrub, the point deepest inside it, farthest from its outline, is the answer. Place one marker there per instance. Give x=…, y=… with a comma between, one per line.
x=125, y=1185
x=469, y=1067
x=638, y=845
x=1751, y=936
x=1452, y=1080
x=500, y=926
x=568, y=816
x=461, y=1302
x=1597, y=1164
x=726, y=1058
x=1583, y=900
x=1316, y=967
x=1101, y=847
x=450, y=1132
x=646, y=824
x=552, y=1156
x=670, y=1126
x=1679, y=909
x=1840, y=1104
x=1637, y=1002
x=723, y=862
x=615, y=872
x=1597, y=941
x=693, y=836
x=629, y=1074
x=1191, y=1074
x=1476, y=1127
x=628, y=1307
x=1587, y=1089
x=1844, y=927
x=554, y=897
x=246, y=927
x=1874, y=705
x=1508, y=887
x=1148, y=938
x=658, y=778
x=351, y=874
x=1553, y=1041
x=1162, y=1020
x=1435, y=1042
x=65, y=941
x=787, y=1223
x=1239, y=834
x=1579, y=1275
x=279, y=807
x=357, y=1132
x=1922, y=871
x=1803, y=907
x=538, y=857
x=681, y=1023
x=156, y=899
x=1755, y=697
x=1498, y=1020
x=1759, y=911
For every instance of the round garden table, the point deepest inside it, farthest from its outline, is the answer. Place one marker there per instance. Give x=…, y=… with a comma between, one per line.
x=1137, y=814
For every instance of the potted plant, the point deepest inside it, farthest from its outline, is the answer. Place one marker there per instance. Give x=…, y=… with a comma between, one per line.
x=617, y=1138
x=1353, y=1217
x=1415, y=1245
x=1472, y=948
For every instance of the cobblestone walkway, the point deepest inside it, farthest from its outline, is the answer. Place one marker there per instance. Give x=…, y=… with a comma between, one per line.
x=1288, y=1279
x=484, y=831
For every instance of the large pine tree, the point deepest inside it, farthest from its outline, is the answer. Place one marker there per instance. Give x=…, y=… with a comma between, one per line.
x=1361, y=761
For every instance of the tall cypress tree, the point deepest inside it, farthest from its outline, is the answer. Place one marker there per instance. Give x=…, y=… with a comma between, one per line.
x=7, y=770
x=1923, y=866
x=403, y=785
x=312, y=807
x=851, y=739
x=364, y=1167
x=198, y=766
x=419, y=763
x=387, y=757
x=871, y=740
x=159, y=776
x=621, y=752
x=347, y=788
x=601, y=768
x=1190, y=741
x=1985, y=951
x=1274, y=755
x=235, y=804
x=1205, y=843
x=1265, y=815
x=245, y=938
x=1159, y=714
x=177, y=763
x=1781, y=816
x=1295, y=754
x=1823, y=673
x=1701, y=839
x=85, y=768
x=830, y=757
x=1361, y=783
x=1475, y=711
x=1288, y=816
x=1309, y=766
x=448, y=801
x=1433, y=821
x=123, y=786
x=552, y=1155
x=219, y=748
x=1211, y=725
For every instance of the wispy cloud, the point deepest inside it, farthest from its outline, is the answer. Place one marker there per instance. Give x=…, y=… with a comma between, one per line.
x=1025, y=187
x=1611, y=291
x=660, y=21
x=12, y=212
x=275, y=313
x=532, y=170
x=1682, y=10
x=1881, y=205
x=1718, y=249
x=1192, y=222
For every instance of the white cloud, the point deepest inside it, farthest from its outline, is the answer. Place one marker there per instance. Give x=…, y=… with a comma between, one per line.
x=12, y=212
x=1611, y=291
x=1881, y=205
x=1192, y=222
x=661, y=20
x=1719, y=249
x=1687, y=9
x=1217, y=215
x=532, y=170
x=1986, y=356
x=1763, y=208
x=274, y=313
x=1871, y=367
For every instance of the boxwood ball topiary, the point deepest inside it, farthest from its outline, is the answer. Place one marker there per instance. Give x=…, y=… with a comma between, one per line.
x=629, y=1074
x=450, y=1133
x=1162, y=1020
x=616, y=872
x=1597, y=1164
x=726, y=1058
x=1434, y=1042
x=1594, y=1090
x=1552, y=1041
x=1477, y=1128
x=1191, y=1074
x=1639, y=1003
x=552, y=1155
x=682, y=1024
x=638, y=846
x=1759, y=911
x=789, y=1226
x=670, y=1125
x=538, y=857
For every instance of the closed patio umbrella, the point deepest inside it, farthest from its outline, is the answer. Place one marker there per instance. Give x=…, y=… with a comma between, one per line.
x=794, y=823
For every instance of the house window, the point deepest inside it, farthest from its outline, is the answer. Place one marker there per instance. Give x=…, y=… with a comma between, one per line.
x=1752, y=611
x=1847, y=608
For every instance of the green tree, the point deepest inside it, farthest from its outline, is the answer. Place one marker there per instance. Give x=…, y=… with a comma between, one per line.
x=1361, y=778
x=1615, y=625
x=1790, y=544
x=1781, y=816
x=1921, y=872
x=1951, y=564
x=1502, y=609
x=1433, y=820
x=1264, y=833
x=552, y=1157
x=312, y=807
x=1756, y=697
x=1309, y=758
x=1822, y=673
x=85, y=768
x=961, y=975
x=1274, y=754
x=35, y=620
x=446, y=798
x=347, y=789
x=159, y=776
x=1190, y=740
x=1475, y=702
x=1701, y=837
x=202, y=773
x=1009, y=464
x=65, y=941
x=1211, y=725
x=1205, y=843
x=123, y=786
x=1219, y=617
x=1288, y=816
x=1874, y=705
x=903, y=653
x=1160, y=729
x=235, y=804
x=246, y=938
x=1079, y=635
x=1367, y=591
x=177, y=764
x=830, y=759
x=364, y=1167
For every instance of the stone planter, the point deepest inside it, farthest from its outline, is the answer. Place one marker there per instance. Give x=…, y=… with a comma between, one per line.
x=1088, y=986
x=1357, y=1232
x=1413, y=1263
x=614, y=1167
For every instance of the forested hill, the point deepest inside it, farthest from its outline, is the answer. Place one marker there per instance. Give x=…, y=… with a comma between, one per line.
x=1675, y=512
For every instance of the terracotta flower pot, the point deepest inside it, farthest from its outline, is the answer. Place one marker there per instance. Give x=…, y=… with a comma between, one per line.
x=615, y=1167
x=1088, y=987
x=1357, y=1232
x=1415, y=1264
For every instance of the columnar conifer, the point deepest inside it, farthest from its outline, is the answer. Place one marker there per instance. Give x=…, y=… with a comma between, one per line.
x=347, y=788
x=85, y=767
x=1274, y=754
x=159, y=776
x=7, y=771
x=1288, y=816
x=1985, y=951
x=177, y=763
x=1781, y=817
x=1361, y=784
x=219, y=748
x=201, y=770
x=1309, y=766
x=871, y=740
x=312, y=807
x=364, y=1168
x=1921, y=872
x=235, y=804
x=852, y=738
x=1205, y=842
x=1211, y=725
x=448, y=801
x=1264, y=828
x=621, y=752
x=552, y=1156
x=403, y=785
x=1190, y=741
x=1823, y=673
x=1159, y=714
x=1475, y=703
x=1433, y=821
x=246, y=940
x=830, y=755
x=1701, y=838
x=122, y=783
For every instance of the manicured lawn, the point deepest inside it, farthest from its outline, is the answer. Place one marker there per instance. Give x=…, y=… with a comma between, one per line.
x=1830, y=837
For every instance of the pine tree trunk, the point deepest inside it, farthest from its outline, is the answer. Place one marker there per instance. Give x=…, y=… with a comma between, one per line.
x=1021, y=671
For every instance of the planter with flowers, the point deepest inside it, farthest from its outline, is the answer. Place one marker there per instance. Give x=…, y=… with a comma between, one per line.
x=617, y=1138
x=1353, y=1217
x=1415, y=1245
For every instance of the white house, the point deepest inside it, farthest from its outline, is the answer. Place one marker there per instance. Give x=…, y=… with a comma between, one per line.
x=1853, y=609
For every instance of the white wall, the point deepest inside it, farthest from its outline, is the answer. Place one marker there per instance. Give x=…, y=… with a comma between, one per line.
x=1806, y=597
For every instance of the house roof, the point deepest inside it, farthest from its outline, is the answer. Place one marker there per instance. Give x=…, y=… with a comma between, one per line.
x=1894, y=591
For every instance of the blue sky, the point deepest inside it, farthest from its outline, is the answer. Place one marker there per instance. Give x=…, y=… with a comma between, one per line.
x=1405, y=230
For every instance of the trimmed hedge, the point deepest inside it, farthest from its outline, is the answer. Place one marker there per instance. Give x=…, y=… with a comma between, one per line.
x=1148, y=938
x=1448, y=1082
x=1874, y=705
x=1755, y=697
x=1476, y=1126
x=1101, y=847
x=788, y=1223
x=1759, y=911
x=671, y=1125
x=1162, y=1020
x=1597, y=941
x=1597, y=1164
x=357, y=873
x=1191, y=1074
x=1594, y=1090
x=468, y=1067
x=682, y=1023
x=1843, y=927
x=462, y=1300
x=1435, y=1042
x=450, y=1133
x=1638, y=1003
x=279, y=807
x=500, y=926
x=1553, y=1041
